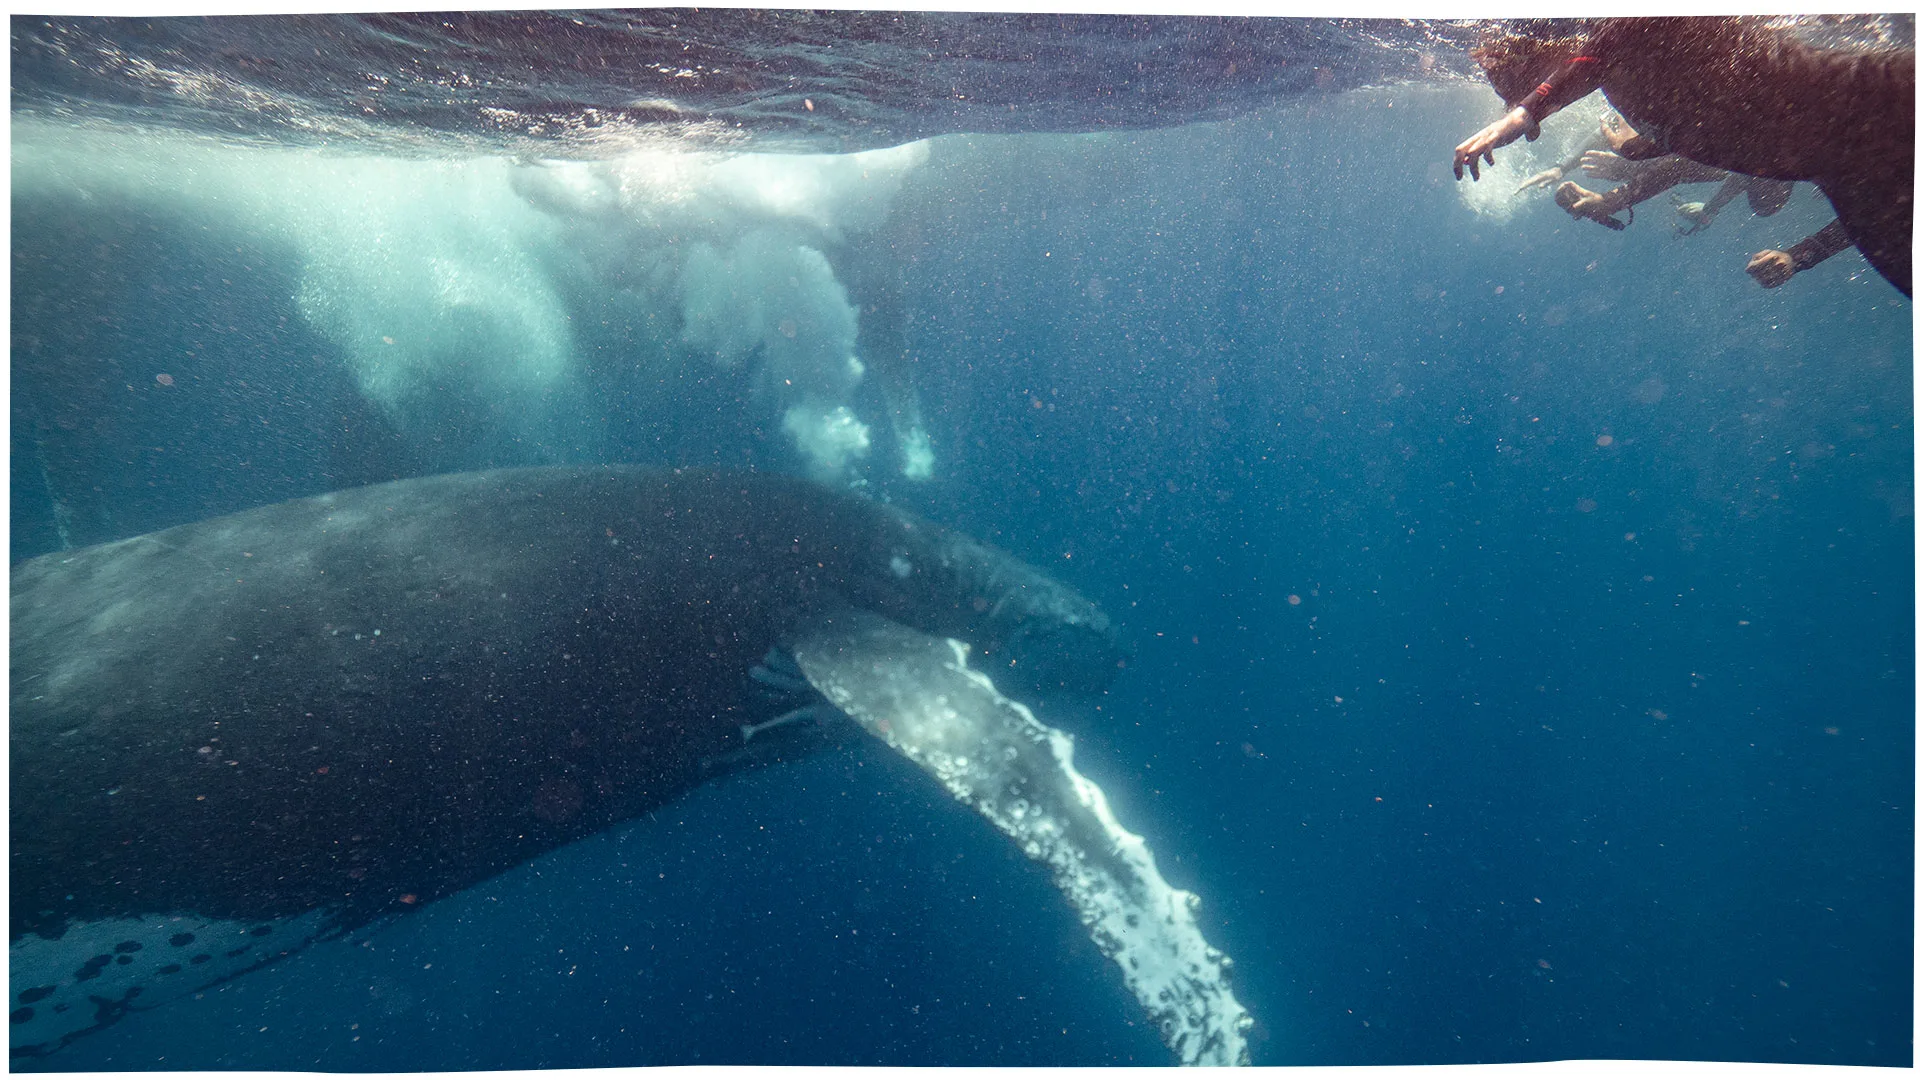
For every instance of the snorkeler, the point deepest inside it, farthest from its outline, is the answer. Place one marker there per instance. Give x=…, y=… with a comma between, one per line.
x=1736, y=94
x=1641, y=180
x=1764, y=197
x=1644, y=180
x=1638, y=181
x=1772, y=268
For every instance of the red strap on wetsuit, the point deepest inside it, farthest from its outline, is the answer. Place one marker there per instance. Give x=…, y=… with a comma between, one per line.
x=1544, y=91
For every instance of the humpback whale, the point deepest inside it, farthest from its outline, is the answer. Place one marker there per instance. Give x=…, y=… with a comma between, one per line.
x=238, y=736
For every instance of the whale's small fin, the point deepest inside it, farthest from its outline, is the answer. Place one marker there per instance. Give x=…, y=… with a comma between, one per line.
x=805, y=714
x=917, y=694
x=94, y=973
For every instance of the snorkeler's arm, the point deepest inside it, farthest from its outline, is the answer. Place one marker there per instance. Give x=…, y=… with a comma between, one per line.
x=1484, y=142
x=1558, y=172
x=1623, y=140
x=1598, y=142
x=1733, y=186
x=1821, y=246
x=1772, y=268
x=1607, y=165
x=1575, y=80
x=1698, y=215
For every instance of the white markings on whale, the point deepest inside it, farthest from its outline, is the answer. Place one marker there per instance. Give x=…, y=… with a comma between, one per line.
x=918, y=695
x=95, y=972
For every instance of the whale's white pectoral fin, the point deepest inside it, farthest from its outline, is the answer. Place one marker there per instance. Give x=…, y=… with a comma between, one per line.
x=94, y=972
x=917, y=693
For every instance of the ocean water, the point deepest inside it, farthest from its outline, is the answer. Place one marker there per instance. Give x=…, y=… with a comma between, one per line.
x=1523, y=610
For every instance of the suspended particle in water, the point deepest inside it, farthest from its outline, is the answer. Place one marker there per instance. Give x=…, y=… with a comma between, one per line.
x=163, y=379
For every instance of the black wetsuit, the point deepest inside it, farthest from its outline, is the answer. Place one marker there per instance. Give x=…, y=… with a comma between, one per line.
x=1820, y=247
x=1764, y=197
x=1736, y=94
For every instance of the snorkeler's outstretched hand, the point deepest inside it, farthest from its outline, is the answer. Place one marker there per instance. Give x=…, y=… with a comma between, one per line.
x=1603, y=165
x=1468, y=154
x=1484, y=142
x=1771, y=268
x=1540, y=179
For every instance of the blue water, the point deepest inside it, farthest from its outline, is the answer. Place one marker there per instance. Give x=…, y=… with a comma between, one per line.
x=1524, y=610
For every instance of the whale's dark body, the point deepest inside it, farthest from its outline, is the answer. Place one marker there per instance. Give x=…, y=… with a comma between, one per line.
x=361, y=701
